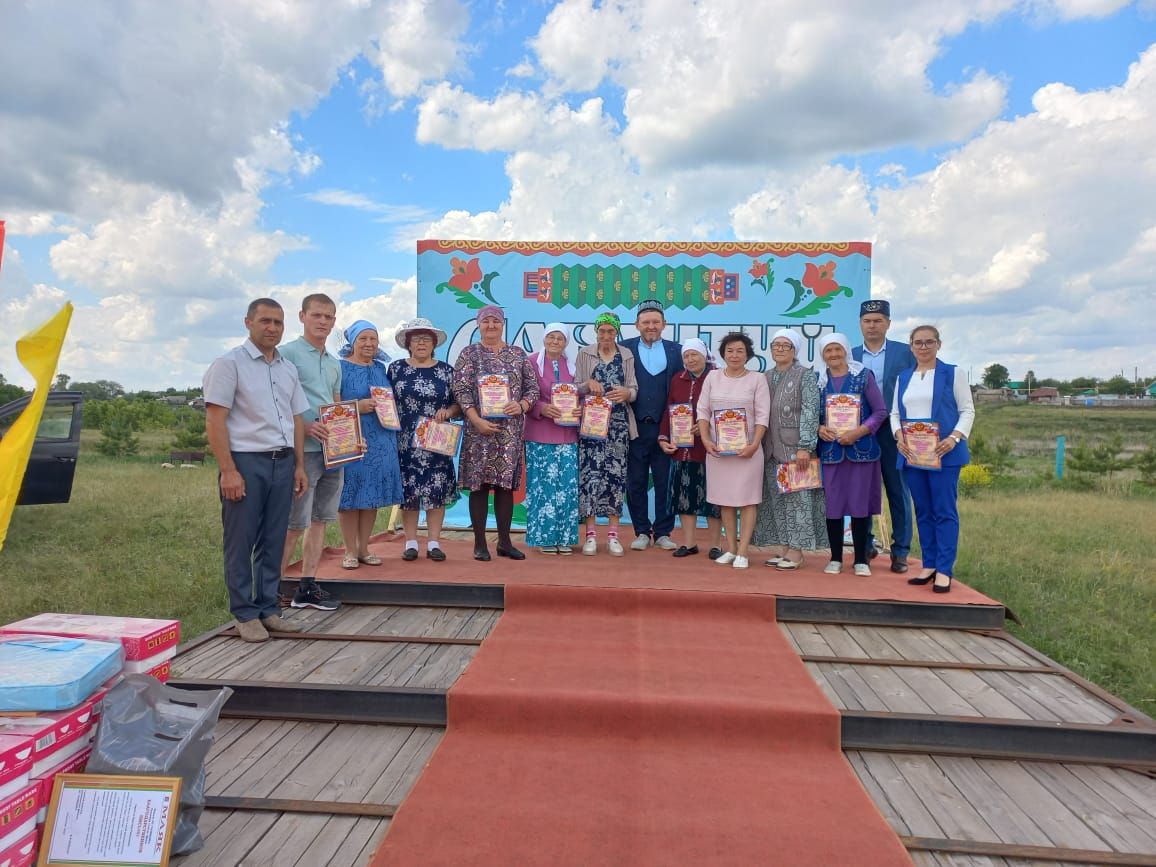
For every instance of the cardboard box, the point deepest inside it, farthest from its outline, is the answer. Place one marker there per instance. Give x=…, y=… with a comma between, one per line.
x=72, y=765
x=15, y=764
x=18, y=816
x=51, y=732
x=22, y=853
x=141, y=637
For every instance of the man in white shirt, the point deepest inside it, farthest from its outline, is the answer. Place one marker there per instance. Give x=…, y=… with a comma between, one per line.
x=253, y=404
x=886, y=359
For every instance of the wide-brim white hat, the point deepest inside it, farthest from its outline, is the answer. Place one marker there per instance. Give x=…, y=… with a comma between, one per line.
x=419, y=324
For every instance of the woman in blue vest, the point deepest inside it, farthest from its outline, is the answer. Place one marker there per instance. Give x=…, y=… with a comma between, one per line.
x=935, y=391
x=852, y=410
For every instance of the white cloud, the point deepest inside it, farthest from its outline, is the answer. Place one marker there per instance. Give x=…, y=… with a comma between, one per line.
x=387, y=310
x=420, y=42
x=361, y=202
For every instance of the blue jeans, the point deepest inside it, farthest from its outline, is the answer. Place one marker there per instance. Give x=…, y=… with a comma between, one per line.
x=254, y=533
x=936, y=513
x=898, y=497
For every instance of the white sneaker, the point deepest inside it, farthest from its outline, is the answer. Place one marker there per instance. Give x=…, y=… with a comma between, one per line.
x=640, y=543
x=726, y=558
x=741, y=563
x=862, y=570
x=773, y=561
x=834, y=567
x=590, y=548
x=615, y=547
x=665, y=543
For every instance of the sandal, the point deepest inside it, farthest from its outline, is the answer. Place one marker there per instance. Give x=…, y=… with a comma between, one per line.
x=370, y=560
x=349, y=562
x=788, y=565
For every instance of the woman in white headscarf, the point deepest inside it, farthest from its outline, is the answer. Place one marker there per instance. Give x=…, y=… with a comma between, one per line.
x=688, y=473
x=551, y=452
x=795, y=522
x=851, y=411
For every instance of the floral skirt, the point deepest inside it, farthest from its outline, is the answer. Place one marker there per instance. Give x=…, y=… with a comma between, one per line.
x=551, y=507
x=688, y=490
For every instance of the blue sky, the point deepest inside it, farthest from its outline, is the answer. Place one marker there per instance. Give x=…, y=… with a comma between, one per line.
x=287, y=170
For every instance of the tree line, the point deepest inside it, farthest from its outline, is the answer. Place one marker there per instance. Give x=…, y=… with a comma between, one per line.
x=998, y=376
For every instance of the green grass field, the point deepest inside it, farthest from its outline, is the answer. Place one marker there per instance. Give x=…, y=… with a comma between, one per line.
x=1077, y=567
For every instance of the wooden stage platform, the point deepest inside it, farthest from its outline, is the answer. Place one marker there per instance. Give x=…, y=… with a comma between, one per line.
x=976, y=748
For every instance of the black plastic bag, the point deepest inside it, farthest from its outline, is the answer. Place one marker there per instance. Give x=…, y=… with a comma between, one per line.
x=149, y=729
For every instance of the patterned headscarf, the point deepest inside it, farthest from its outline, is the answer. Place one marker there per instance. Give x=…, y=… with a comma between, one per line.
x=491, y=310
x=608, y=319
x=350, y=335
x=826, y=340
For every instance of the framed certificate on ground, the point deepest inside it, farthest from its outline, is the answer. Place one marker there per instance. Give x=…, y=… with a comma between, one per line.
x=440, y=437
x=386, y=406
x=98, y=819
x=730, y=430
x=493, y=395
x=564, y=398
x=343, y=444
x=921, y=436
x=789, y=479
x=681, y=425
x=595, y=418
x=843, y=412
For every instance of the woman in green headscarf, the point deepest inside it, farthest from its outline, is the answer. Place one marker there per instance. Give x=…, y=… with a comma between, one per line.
x=605, y=370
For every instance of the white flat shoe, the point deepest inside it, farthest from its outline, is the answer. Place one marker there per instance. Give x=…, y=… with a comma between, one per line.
x=834, y=567
x=614, y=547
x=725, y=559
x=741, y=563
x=590, y=548
x=789, y=565
x=862, y=570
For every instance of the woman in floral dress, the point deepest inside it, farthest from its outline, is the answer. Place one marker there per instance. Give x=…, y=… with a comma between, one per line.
x=605, y=369
x=423, y=386
x=551, y=453
x=491, y=458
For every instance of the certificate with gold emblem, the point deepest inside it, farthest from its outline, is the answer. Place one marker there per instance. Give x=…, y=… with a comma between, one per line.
x=493, y=395
x=440, y=437
x=842, y=412
x=922, y=436
x=343, y=421
x=789, y=479
x=681, y=425
x=564, y=398
x=385, y=404
x=730, y=430
x=595, y=418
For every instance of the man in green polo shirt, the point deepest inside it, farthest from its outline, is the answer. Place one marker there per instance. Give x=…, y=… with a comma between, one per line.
x=320, y=375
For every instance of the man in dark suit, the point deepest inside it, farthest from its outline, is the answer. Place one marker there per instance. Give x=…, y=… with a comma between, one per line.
x=886, y=358
x=656, y=361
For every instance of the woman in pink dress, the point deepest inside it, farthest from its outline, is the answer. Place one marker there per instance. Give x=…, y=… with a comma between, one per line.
x=734, y=482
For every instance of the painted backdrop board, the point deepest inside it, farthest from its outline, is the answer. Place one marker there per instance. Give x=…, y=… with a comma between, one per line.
x=708, y=289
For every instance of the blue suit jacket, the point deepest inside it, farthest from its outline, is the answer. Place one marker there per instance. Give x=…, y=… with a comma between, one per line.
x=897, y=359
x=652, y=391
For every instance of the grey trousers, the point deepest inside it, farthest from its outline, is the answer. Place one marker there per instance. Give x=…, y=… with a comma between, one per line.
x=254, y=533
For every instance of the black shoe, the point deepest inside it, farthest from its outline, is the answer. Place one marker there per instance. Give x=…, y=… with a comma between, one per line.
x=434, y=554
x=310, y=595
x=511, y=552
x=921, y=581
x=684, y=551
x=872, y=553
x=714, y=553
x=482, y=554
x=409, y=554
x=898, y=564
x=942, y=588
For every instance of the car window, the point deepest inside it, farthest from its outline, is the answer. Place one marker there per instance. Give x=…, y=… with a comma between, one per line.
x=55, y=422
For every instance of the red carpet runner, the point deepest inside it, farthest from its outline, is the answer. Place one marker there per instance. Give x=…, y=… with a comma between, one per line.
x=638, y=727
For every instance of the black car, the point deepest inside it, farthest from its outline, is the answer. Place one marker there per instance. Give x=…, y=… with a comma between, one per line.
x=52, y=464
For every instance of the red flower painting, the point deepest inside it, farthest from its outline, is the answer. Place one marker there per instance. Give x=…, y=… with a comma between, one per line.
x=466, y=274
x=820, y=279
x=759, y=269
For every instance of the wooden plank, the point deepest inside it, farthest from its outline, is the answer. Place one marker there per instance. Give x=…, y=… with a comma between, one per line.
x=999, y=810
x=360, y=845
x=1067, y=700
x=408, y=763
x=445, y=668
x=808, y=639
x=1061, y=825
x=850, y=675
x=893, y=816
x=847, y=699
x=942, y=698
x=896, y=693
x=840, y=641
x=1118, y=830
x=994, y=646
x=980, y=695
x=902, y=797
x=948, y=640
x=917, y=644
x=785, y=630
x=824, y=685
x=323, y=844
x=271, y=759
x=871, y=639
x=232, y=841
x=1049, y=854
x=1132, y=793
x=1002, y=683
x=960, y=819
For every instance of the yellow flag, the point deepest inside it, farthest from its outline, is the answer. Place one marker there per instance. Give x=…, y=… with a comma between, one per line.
x=38, y=351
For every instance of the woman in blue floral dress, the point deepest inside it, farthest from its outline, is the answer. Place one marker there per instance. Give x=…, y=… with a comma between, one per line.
x=423, y=386
x=375, y=480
